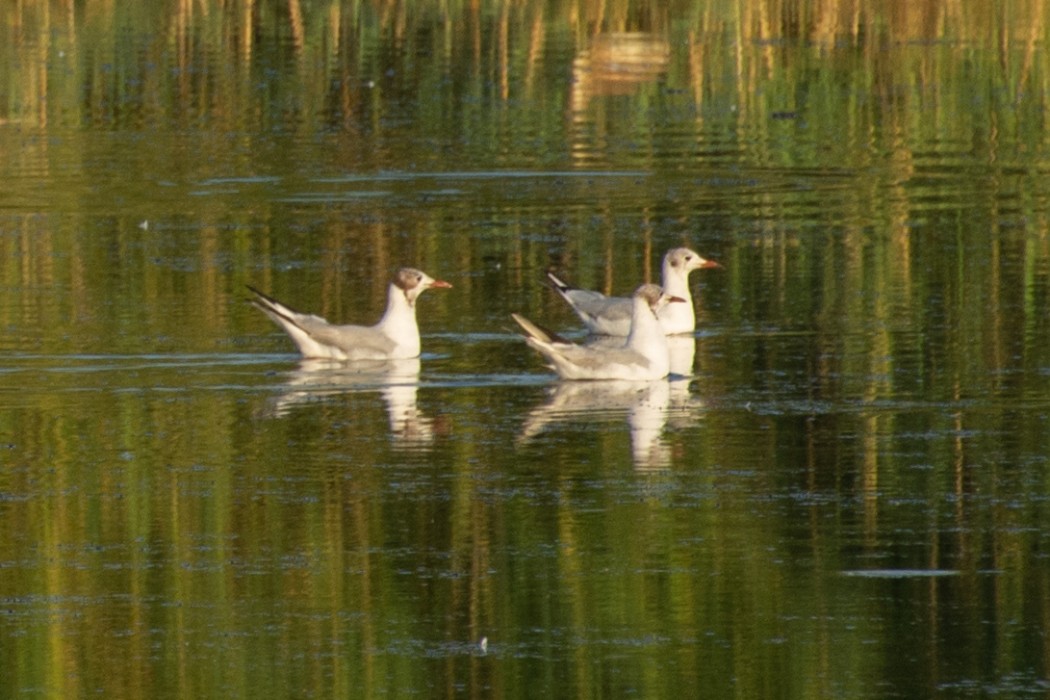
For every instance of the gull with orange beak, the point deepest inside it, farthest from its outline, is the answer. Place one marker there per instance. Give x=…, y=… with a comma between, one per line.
x=394, y=337
x=612, y=315
x=644, y=355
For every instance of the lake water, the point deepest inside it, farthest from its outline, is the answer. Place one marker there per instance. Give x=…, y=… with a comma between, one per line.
x=847, y=497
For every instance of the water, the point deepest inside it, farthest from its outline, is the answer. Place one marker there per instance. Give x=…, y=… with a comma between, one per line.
x=845, y=497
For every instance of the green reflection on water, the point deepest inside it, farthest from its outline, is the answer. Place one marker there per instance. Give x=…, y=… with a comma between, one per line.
x=189, y=512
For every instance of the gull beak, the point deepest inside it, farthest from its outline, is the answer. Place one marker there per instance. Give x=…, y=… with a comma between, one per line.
x=440, y=284
x=707, y=265
x=678, y=299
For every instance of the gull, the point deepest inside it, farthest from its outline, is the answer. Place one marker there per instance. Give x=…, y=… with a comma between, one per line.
x=612, y=315
x=394, y=337
x=643, y=356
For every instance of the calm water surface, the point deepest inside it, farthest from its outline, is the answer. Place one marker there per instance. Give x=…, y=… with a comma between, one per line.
x=845, y=495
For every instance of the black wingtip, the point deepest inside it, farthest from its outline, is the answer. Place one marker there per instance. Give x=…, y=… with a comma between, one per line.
x=268, y=301
x=273, y=308
x=259, y=294
x=557, y=284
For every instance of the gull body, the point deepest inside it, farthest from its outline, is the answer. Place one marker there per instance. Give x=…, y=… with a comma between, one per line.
x=394, y=337
x=643, y=356
x=605, y=315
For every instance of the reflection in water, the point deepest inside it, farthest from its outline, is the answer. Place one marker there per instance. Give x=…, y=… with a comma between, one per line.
x=160, y=544
x=645, y=403
x=649, y=405
x=683, y=353
x=682, y=403
x=396, y=380
x=616, y=63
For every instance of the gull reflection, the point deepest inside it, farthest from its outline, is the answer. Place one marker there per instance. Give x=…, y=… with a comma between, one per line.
x=683, y=355
x=649, y=406
x=683, y=404
x=397, y=381
x=644, y=403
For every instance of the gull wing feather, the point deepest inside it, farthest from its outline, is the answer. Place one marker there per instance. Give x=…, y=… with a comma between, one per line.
x=583, y=362
x=600, y=313
x=316, y=337
x=538, y=332
x=360, y=341
x=609, y=308
x=600, y=360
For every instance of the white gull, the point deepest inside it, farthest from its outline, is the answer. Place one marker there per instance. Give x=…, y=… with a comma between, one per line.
x=612, y=315
x=394, y=337
x=643, y=356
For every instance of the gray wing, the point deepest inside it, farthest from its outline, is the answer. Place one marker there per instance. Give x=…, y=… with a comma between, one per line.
x=312, y=333
x=599, y=306
x=583, y=362
x=601, y=314
x=350, y=339
x=595, y=359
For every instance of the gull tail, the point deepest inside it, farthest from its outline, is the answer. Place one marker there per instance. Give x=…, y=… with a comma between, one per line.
x=274, y=309
x=558, y=285
x=536, y=331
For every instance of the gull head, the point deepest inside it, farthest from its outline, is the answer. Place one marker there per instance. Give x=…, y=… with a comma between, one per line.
x=684, y=260
x=655, y=297
x=414, y=282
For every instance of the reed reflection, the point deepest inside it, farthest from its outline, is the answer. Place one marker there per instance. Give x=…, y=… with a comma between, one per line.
x=617, y=63
x=397, y=382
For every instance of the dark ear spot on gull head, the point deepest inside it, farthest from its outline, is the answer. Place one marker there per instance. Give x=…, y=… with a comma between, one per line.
x=408, y=279
x=654, y=296
x=651, y=293
x=414, y=282
x=684, y=257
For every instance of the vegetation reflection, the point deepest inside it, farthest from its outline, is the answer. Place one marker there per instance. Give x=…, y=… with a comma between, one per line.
x=873, y=361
